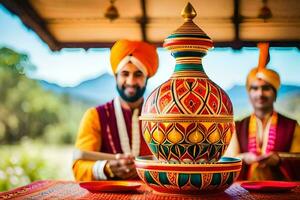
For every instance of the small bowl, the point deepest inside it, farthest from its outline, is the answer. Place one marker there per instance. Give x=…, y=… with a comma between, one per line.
x=188, y=178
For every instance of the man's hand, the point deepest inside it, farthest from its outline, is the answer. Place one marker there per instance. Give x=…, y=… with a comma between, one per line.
x=123, y=166
x=249, y=157
x=272, y=159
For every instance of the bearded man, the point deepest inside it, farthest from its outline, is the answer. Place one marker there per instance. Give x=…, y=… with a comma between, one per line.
x=114, y=127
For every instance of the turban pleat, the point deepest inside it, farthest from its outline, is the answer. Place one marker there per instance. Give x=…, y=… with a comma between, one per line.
x=261, y=71
x=142, y=54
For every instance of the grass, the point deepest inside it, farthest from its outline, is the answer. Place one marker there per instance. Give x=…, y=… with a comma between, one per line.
x=32, y=160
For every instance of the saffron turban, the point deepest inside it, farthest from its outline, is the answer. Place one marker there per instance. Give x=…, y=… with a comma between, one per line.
x=141, y=54
x=261, y=72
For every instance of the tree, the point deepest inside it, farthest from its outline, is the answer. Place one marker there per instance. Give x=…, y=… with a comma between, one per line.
x=25, y=108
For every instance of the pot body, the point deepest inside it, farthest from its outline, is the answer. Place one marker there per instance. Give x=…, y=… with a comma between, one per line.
x=188, y=119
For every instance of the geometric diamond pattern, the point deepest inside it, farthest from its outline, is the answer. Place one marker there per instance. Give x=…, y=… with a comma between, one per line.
x=191, y=95
x=188, y=141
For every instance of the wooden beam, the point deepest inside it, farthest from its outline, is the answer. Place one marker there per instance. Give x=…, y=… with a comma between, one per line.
x=143, y=20
x=236, y=19
x=32, y=20
x=237, y=45
x=88, y=45
x=222, y=44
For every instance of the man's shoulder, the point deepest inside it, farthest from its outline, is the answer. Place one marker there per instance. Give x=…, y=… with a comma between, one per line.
x=241, y=126
x=107, y=104
x=245, y=119
x=285, y=118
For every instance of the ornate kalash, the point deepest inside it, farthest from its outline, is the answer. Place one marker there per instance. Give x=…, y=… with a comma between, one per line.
x=187, y=122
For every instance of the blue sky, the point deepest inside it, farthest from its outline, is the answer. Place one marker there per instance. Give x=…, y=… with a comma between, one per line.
x=70, y=67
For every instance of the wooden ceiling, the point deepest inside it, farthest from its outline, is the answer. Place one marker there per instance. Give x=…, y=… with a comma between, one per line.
x=230, y=23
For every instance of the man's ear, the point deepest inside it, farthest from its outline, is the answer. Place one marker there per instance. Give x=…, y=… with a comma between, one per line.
x=116, y=75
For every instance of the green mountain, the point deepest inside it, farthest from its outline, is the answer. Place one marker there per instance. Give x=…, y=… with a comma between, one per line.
x=102, y=89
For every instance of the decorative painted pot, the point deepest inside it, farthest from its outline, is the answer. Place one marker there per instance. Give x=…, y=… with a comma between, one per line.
x=188, y=178
x=189, y=118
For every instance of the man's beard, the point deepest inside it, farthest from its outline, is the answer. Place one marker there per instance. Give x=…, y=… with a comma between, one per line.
x=138, y=94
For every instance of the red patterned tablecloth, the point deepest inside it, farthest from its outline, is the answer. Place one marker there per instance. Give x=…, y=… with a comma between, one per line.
x=42, y=190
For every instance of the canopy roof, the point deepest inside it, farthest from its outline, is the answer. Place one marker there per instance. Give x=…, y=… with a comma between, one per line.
x=230, y=23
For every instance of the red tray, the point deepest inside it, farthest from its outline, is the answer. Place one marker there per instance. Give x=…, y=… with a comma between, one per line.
x=110, y=186
x=269, y=186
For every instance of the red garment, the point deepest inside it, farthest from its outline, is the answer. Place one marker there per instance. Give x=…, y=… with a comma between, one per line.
x=109, y=131
x=284, y=138
x=98, y=132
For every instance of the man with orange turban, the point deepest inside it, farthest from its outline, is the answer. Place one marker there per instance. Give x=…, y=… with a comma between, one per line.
x=261, y=138
x=109, y=136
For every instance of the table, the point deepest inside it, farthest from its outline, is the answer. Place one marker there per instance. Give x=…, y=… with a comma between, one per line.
x=49, y=189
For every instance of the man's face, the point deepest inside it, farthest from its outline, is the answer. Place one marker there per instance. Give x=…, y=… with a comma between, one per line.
x=131, y=83
x=261, y=94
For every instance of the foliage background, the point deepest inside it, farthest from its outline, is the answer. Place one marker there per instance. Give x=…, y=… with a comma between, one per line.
x=37, y=127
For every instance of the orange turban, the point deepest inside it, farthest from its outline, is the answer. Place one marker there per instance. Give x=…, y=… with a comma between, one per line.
x=141, y=54
x=261, y=72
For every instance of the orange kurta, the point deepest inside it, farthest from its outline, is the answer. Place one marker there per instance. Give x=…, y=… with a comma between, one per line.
x=93, y=137
x=88, y=139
